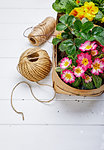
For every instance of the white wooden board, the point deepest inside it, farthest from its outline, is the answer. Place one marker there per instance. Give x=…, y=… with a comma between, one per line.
x=67, y=123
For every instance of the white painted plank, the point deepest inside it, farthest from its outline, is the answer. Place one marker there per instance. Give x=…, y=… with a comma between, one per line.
x=51, y=138
x=33, y=4
x=14, y=48
x=88, y=113
x=25, y=16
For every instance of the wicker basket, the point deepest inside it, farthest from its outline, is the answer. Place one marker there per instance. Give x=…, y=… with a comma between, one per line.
x=62, y=88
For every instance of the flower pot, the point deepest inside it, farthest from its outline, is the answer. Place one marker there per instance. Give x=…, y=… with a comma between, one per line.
x=63, y=88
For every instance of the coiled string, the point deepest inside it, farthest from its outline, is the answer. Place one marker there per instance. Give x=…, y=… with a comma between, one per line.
x=34, y=65
x=41, y=35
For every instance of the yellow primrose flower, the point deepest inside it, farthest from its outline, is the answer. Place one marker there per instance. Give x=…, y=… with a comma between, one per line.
x=59, y=36
x=102, y=20
x=89, y=16
x=90, y=8
x=89, y=5
x=81, y=15
x=74, y=12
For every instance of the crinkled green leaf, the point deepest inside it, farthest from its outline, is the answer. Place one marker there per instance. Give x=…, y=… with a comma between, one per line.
x=77, y=82
x=83, y=35
x=79, y=41
x=64, y=19
x=97, y=81
x=87, y=26
x=100, y=39
x=70, y=6
x=88, y=86
x=61, y=27
x=55, y=41
x=66, y=35
x=71, y=50
x=65, y=45
x=97, y=30
x=70, y=21
x=57, y=7
x=99, y=16
x=77, y=25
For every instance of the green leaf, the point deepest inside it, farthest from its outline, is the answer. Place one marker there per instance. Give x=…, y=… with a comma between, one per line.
x=102, y=34
x=71, y=19
x=67, y=30
x=65, y=45
x=71, y=50
x=70, y=6
x=91, y=38
x=66, y=35
x=97, y=30
x=78, y=42
x=57, y=7
x=100, y=39
x=99, y=16
x=87, y=26
x=77, y=25
x=77, y=82
x=97, y=81
x=88, y=86
x=83, y=35
x=58, y=69
x=55, y=41
x=64, y=19
x=61, y=27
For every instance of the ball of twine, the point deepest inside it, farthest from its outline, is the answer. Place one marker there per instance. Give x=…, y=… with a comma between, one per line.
x=34, y=64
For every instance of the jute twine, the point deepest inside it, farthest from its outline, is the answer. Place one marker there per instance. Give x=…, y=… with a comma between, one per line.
x=34, y=65
x=42, y=32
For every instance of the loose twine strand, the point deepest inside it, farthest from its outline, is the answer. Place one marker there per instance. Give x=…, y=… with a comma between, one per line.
x=21, y=113
x=27, y=68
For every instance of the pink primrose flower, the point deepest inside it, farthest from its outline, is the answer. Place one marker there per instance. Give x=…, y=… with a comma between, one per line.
x=78, y=71
x=68, y=76
x=88, y=79
x=84, y=60
x=88, y=46
x=97, y=66
x=65, y=62
x=94, y=52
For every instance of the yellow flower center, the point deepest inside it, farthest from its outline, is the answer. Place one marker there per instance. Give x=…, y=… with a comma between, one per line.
x=78, y=70
x=85, y=61
x=59, y=36
x=87, y=77
x=93, y=52
x=68, y=76
x=88, y=46
x=66, y=63
x=96, y=66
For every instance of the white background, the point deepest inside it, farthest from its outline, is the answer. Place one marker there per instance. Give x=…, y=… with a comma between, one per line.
x=67, y=123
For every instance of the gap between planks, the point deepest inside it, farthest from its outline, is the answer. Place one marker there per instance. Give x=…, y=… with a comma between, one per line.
x=76, y=125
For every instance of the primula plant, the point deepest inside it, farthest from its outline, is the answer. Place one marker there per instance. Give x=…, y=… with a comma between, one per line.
x=81, y=45
x=93, y=10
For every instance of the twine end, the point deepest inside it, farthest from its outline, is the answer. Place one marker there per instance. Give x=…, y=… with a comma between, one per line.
x=22, y=116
